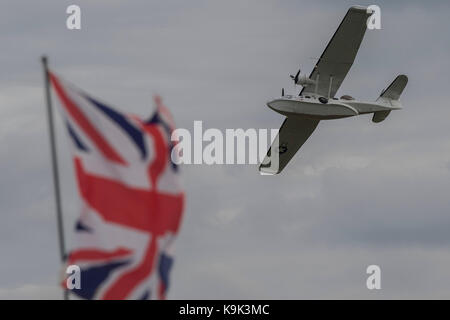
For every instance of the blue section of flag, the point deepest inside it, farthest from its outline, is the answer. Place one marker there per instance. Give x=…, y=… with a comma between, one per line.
x=75, y=138
x=165, y=264
x=81, y=227
x=93, y=277
x=146, y=295
x=135, y=134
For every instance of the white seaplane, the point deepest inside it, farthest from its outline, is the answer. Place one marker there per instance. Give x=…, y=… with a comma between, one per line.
x=317, y=101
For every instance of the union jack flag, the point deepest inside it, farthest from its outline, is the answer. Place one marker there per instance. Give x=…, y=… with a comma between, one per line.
x=132, y=202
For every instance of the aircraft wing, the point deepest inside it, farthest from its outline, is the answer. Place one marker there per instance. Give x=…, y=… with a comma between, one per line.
x=292, y=135
x=338, y=57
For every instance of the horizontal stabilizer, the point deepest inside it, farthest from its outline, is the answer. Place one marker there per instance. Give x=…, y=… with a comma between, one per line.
x=380, y=116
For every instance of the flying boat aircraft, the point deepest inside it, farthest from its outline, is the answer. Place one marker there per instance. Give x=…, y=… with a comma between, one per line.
x=317, y=100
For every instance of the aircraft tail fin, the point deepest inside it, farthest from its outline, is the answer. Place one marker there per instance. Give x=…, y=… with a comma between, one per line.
x=390, y=97
x=395, y=89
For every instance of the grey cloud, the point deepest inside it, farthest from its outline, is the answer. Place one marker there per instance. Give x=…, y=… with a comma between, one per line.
x=358, y=193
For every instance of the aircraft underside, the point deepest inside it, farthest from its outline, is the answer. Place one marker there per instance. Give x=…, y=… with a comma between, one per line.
x=332, y=109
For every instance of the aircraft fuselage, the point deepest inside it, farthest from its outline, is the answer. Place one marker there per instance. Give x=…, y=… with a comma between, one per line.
x=323, y=108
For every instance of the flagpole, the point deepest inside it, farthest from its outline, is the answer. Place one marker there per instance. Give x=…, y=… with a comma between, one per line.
x=56, y=188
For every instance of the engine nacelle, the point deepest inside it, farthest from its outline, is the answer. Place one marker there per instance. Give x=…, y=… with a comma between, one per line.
x=305, y=81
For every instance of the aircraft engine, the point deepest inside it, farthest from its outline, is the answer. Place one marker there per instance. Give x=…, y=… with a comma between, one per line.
x=302, y=80
x=305, y=81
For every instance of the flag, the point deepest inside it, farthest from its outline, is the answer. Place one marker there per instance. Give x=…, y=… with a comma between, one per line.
x=132, y=202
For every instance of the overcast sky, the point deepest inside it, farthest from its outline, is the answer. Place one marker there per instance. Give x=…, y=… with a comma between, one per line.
x=358, y=193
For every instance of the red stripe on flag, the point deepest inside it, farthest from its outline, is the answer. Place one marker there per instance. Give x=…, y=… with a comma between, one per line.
x=84, y=123
x=127, y=282
x=164, y=111
x=136, y=208
x=161, y=291
x=161, y=154
x=95, y=254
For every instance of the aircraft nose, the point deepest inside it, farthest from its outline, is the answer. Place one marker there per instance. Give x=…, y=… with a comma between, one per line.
x=270, y=104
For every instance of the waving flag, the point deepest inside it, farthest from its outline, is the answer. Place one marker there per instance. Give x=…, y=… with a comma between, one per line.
x=132, y=202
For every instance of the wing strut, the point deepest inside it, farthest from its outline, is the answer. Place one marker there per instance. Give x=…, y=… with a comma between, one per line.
x=329, y=87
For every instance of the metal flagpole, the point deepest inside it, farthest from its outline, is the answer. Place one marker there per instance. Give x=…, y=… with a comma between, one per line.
x=59, y=218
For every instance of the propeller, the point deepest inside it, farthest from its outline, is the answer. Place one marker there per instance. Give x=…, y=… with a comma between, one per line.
x=295, y=78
